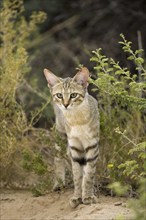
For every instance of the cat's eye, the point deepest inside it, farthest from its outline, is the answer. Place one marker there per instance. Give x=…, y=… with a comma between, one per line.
x=73, y=95
x=59, y=95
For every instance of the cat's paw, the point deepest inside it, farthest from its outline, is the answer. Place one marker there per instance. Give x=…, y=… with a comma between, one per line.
x=74, y=202
x=90, y=200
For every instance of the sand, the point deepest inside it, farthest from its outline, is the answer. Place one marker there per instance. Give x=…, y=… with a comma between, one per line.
x=21, y=205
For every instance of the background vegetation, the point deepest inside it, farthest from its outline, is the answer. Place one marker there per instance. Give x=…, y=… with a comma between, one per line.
x=68, y=36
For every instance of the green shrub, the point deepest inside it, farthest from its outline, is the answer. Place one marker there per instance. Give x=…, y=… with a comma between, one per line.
x=15, y=36
x=122, y=106
x=122, y=103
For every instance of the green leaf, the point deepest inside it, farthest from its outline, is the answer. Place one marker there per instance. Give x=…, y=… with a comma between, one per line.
x=98, y=67
x=105, y=59
x=118, y=72
x=121, y=42
x=139, y=60
x=142, y=155
x=131, y=57
x=139, y=51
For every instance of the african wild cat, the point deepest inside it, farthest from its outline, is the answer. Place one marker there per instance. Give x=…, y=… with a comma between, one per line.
x=77, y=116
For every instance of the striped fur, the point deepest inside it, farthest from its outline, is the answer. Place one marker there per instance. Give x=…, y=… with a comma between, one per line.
x=77, y=116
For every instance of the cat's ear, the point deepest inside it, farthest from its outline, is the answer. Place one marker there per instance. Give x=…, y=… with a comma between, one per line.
x=82, y=77
x=51, y=78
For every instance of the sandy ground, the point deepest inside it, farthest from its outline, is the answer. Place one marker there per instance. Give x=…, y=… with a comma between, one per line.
x=21, y=205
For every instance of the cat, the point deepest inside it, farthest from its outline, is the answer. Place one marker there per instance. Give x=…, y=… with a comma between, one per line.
x=77, y=116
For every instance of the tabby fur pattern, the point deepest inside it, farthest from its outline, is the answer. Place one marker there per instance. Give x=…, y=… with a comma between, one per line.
x=77, y=116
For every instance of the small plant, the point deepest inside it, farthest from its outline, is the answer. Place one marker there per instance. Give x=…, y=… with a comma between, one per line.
x=139, y=205
x=41, y=188
x=34, y=162
x=122, y=107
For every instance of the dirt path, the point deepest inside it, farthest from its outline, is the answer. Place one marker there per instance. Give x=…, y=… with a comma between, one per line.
x=21, y=205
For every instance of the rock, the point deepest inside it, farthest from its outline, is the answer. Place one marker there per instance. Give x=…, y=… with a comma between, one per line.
x=118, y=203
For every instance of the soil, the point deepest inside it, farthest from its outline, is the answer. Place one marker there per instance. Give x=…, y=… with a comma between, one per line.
x=21, y=205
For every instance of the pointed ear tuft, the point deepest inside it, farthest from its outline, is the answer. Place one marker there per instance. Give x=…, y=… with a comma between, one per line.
x=51, y=78
x=82, y=77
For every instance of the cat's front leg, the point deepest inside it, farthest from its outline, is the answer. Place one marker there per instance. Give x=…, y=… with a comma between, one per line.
x=89, y=172
x=77, y=178
x=77, y=170
x=88, y=196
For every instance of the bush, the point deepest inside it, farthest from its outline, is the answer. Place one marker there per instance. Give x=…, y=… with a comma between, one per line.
x=15, y=36
x=122, y=106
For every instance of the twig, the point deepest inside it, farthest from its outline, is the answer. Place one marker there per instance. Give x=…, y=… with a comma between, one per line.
x=139, y=55
x=53, y=30
x=31, y=89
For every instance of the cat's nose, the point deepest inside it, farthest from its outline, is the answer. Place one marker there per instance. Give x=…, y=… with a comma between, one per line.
x=66, y=105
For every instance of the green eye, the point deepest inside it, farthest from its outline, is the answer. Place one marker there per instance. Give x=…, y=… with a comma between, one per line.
x=73, y=95
x=59, y=95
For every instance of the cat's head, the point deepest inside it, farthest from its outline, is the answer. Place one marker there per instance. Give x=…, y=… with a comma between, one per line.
x=68, y=93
